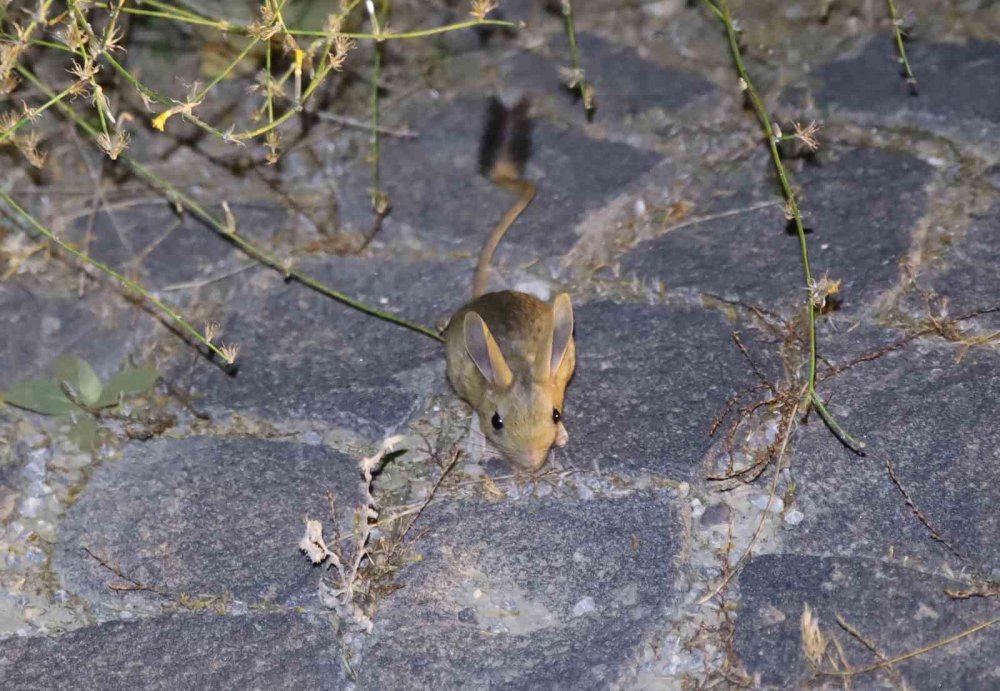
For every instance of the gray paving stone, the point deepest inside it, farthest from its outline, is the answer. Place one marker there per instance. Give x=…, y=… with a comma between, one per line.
x=204, y=516
x=40, y=323
x=898, y=609
x=152, y=243
x=965, y=273
x=860, y=208
x=626, y=85
x=439, y=198
x=957, y=86
x=933, y=418
x=649, y=381
x=527, y=594
x=309, y=358
x=194, y=651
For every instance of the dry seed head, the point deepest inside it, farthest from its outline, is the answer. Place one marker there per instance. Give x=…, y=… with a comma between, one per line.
x=28, y=146
x=267, y=26
x=342, y=45
x=113, y=144
x=212, y=329
x=813, y=642
x=8, y=82
x=74, y=37
x=273, y=143
x=807, y=134
x=571, y=77
x=481, y=8
x=229, y=352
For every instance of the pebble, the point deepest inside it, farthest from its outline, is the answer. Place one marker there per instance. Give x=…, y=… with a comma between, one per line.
x=794, y=517
x=585, y=606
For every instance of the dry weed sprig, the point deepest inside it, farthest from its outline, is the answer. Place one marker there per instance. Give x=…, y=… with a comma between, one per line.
x=348, y=563
x=722, y=11
x=183, y=201
x=134, y=286
x=972, y=630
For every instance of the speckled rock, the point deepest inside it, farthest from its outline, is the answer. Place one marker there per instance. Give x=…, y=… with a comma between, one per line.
x=272, y=651
x=206, y=517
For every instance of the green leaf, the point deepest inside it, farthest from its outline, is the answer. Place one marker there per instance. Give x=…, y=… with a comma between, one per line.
x=84, y=432
x=131, y=381
x=41, y=396
x=81, y=376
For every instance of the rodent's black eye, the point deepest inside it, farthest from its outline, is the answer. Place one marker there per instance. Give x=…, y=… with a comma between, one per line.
x=497, y=421
x=556, y=416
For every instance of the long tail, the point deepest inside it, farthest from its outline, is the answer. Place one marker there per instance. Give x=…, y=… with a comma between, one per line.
x=505, y=148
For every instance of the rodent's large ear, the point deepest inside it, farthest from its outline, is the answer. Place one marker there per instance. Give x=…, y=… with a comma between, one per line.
x=557, y=340
x=484, y=351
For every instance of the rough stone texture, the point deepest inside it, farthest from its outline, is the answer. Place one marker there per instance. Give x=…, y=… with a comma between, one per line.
x=933, y=417
x=499, y=599
x=271, y=651
x=957, y=86
x=860, y=208
x=626, y=85
x=454, y=208
x=204, y=516
x=649, y=382
x=39, y=323
x=153, y=244
x=309, y=358
x=965, y=273
x=897, y=609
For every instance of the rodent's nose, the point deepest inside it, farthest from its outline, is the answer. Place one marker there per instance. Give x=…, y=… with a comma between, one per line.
x=532, y=459
x=562, y=436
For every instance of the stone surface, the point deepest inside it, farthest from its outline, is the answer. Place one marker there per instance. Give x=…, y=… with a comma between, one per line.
x=932, y=417
x=495, y=601
x=308, y=358
x=626, y=85
x=897, y=609
x=964, y=273
x=204, y=516
x=196, y=651
x=439, y=197
x=956, y=82
x=40, y=323
x=860, y=209
x=649, y=381
x=154, y=245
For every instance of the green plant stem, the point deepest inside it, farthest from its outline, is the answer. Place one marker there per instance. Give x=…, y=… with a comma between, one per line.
x=53, y=100
x=103, y=268
x=722, y=11
x=182, y=200
x=376, y=139
x=585, y=95
x=900, y=47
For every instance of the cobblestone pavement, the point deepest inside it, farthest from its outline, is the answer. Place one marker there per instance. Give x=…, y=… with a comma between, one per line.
x=173, y=562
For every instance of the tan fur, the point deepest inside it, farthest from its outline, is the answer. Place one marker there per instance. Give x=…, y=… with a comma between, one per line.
x=527, y=388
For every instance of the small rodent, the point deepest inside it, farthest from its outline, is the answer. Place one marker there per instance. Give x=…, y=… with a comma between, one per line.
x=509, y=354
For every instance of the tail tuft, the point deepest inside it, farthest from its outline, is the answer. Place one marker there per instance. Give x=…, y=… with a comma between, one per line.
x=506, y=143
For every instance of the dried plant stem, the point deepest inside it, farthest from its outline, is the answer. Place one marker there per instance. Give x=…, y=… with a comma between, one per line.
x=789, y=427
x=920, y=651
x=134, y=286
x=182, y=200
x=897, y=28
x=723, y=13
